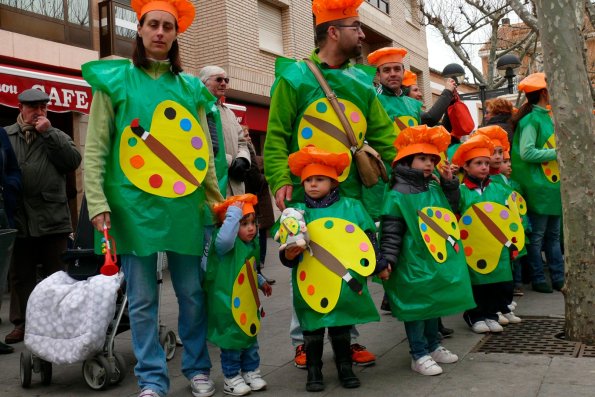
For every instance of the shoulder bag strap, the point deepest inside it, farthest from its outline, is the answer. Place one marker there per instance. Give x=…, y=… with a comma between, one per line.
x=332, y=98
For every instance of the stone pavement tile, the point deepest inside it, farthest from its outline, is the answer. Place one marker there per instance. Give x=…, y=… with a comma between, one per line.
x=496, y=374
x=553, y=390
x=571, y=371
x=536, y=304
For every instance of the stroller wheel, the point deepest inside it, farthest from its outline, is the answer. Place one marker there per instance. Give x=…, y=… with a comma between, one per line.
x=167, y=338
x=46, y=372
x=26, y=368
x=121, y=367
x=97, y=372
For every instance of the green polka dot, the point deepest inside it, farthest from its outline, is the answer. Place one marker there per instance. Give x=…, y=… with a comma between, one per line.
x=200, y=164
x=514, y=227
x=453, y=225
x=329, y=224
x=132, y=141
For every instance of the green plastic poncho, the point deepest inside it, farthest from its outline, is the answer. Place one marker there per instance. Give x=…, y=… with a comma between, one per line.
x=321, y=298
x=300, y=115
x=540, y=180
x=151, y=202
x=232, y=309
x=430, y=278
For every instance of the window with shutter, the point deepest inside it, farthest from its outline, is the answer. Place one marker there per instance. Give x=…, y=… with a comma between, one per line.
x=270, y=28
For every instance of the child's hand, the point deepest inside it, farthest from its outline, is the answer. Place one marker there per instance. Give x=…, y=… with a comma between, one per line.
x=239, y=204
x=266, y=289
x=385, y=274
x=292, y=252
x=454, y=169
x=445, y=171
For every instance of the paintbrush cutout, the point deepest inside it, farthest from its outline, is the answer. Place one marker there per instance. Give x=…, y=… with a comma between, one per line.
x=331, y=263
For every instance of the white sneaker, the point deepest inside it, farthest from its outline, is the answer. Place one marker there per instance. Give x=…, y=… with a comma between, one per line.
x=202, y=386
x=148, y=393
x=236, y=386
x=426, y=366
x=494, y=326
x=254, y=380
x=502, y=320
x=480, y=327
x=512, y=305
x=444, y=356
x=512, y=318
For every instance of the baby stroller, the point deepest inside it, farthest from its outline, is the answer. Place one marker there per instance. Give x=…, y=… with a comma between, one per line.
x=102, y=366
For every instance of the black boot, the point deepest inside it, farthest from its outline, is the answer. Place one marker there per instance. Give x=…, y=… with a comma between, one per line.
x=444, y=332
x=342, y=349
x=313, y=346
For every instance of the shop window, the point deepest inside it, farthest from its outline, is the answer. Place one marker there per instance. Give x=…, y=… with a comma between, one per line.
x=382, y=5
x=117, y=28
x=270, y=28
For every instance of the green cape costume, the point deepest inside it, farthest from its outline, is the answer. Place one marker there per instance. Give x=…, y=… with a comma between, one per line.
x=150, y=200
x=430, y=278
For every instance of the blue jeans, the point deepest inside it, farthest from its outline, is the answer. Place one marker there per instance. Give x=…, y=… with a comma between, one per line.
x=423, y=337
x=545, y=231
x=233, y=361
x=143, y=302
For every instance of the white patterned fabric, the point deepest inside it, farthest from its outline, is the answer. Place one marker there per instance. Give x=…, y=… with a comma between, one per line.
x=67, y=320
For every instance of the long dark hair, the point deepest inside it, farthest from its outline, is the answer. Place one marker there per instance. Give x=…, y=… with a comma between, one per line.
x=139, y=55
x=532, y=99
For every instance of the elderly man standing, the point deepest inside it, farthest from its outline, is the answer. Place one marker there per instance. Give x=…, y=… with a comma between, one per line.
x=45, y=155
x=235, y=145
x=301, y=115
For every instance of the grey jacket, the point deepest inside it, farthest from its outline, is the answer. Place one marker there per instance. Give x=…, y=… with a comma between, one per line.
x=43, y=208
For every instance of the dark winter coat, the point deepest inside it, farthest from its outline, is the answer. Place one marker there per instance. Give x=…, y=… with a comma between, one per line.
x=10, y=177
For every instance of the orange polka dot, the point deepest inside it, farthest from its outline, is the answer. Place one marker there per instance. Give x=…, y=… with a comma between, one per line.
x=137, y=161
x=432, y=248
x=468, y=251
x=311, y=290
x=548, y=172
x=243, y=319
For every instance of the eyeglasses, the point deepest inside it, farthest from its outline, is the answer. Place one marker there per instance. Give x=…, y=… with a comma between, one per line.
x=356, y=26
x=222, y=79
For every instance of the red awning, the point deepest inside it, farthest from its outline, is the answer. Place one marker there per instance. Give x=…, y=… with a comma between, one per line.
x=67, y=93
x=254, y=116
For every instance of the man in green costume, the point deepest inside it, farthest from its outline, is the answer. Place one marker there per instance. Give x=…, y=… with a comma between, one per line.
x=300, y=114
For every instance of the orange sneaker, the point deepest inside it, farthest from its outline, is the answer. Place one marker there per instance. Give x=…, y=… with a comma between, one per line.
x=300, y=356
x=360, y=356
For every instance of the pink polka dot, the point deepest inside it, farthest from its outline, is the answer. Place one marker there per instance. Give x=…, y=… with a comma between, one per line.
x=447, y=217
x=354, y=117
x=488, y=207
x=364, y=247
x=179, y=187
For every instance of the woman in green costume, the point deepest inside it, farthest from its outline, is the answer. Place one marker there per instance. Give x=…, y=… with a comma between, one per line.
x=535, y=167
x=419, y=239
x=149, y=176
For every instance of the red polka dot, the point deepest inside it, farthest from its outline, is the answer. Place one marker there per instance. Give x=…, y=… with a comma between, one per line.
x=241, y=279
x=427, y=238
x=464, y=234
x=302, y=275
x=514, y=240
x=137, y=161
x=243, y=318
x=155, y=181
x=311, y=290
x=548, y=172
x=468, y=251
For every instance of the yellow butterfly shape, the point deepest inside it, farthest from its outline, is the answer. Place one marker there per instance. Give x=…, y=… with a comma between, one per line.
x=171, y=159
x=438, y=226
x=487, y=228
x=245, y=302
x=550, y=168
x=320, y=126
x=337, y=247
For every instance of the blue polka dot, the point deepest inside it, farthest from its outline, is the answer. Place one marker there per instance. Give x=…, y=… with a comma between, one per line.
x=307, y=133
x=200, y=164
x=424, y=227
x=132, y=142
x=236, y=302
x=411, y=123
x=467, y=220
x=321, y=107
x=185, y=124
x=430, y=212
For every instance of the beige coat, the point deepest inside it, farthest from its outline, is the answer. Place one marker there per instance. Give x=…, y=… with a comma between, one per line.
x=235, y=145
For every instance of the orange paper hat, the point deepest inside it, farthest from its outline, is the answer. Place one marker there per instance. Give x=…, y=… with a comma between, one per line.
x=421, y=139
x=533, y=82
x=248, y=199
x=332, y=10
x=310, y=160
x=409, y=78
x=506, y=155
x=386, y=55
x=497, y=135
x=182, y=10
x=476, y=146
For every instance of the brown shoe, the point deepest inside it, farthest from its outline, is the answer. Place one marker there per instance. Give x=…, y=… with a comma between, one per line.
x=16, y=335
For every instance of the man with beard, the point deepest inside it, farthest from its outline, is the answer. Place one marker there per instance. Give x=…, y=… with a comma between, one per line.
x=301, y=115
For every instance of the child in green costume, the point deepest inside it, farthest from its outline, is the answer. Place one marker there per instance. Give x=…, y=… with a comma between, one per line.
x=232, y=294
x=419, y=239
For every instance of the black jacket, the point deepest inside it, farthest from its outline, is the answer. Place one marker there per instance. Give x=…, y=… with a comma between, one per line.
x=409, y=181
x=433, y=116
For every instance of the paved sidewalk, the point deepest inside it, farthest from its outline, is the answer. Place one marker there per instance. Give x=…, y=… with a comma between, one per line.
x=476, y=374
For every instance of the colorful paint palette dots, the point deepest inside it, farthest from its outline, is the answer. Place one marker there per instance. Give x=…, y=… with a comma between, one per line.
x=170, y=158
x=550, y=168
x=320, y=126
x=345, y=249
x=438, y=230
x=244, y=303
x=402, y=122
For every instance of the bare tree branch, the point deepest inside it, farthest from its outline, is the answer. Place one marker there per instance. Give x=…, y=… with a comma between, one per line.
x=521, y=10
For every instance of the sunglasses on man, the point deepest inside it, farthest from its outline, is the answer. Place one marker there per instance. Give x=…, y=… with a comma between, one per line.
x=221, y=79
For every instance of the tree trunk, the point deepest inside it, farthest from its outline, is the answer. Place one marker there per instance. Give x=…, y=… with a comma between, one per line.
x=568, y=85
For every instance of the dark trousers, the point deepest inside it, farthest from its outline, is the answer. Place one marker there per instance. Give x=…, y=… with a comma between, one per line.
x=490, y=299
x=332, y=331
x=28, y=253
